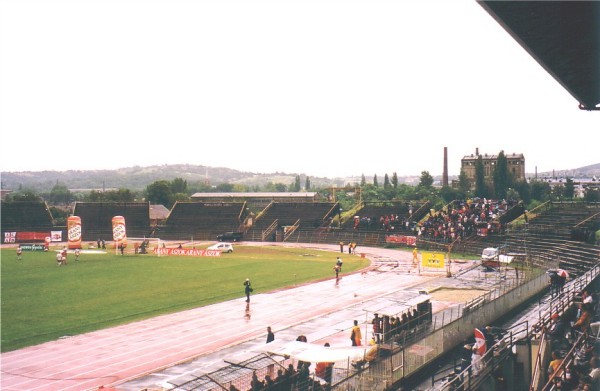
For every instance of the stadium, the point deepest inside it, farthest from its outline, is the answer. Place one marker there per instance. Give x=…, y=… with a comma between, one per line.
x=551, y=237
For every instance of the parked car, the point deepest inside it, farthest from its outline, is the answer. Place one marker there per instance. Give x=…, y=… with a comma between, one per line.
x=489, y=254
x=223, y=247
x=230, y=237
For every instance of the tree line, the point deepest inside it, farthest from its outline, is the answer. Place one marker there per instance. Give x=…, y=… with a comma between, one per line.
x=501, y=185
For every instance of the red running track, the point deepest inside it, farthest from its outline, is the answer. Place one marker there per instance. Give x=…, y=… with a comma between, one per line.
x=111, y=356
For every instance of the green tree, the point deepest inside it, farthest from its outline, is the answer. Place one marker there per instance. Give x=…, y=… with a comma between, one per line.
x=395, y=180
x=181, y=197
x=480, y=190
x=524, y=190
x=513, y=194
x=386, y=182
x=464, y=185
x=120, y=195
x=280, y=187
x=160, y=192
x=60, y=194
x=307, y=184
x=363, y=180
x=297, y=183
x=375, y=181
x=592, y=195
x=540, y=190
x=501, y=176
x=426, y=179
x=94, y=196
x=224, y=187
x=569, y=188
x=449, y=194
x=24, y=195
x=558, y=191
x=240, y=188
x=199, y=187
x=179, y=185
x=59, y=216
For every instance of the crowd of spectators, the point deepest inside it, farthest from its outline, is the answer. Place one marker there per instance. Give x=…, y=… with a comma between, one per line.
x=292, y=378
x=388, y=329
x=391, y=222
x=582, y=371
x=464, y=218
x=289, y=379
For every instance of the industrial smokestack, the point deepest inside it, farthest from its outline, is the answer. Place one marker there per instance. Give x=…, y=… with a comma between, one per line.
x=476, y=152
x=445, y=174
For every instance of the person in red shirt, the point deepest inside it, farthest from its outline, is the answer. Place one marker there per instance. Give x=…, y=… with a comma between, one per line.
x=324, y=370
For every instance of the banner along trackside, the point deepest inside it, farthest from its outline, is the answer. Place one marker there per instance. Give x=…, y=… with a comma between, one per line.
x=187, y=252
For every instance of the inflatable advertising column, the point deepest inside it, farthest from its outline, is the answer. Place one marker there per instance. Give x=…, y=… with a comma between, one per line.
x=119, y=233
x=74, y=231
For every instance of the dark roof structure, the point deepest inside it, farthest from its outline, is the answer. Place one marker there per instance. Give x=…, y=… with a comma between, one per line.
x=508, y=156
x=562, y=36
x=158, y=212
x=307, y=194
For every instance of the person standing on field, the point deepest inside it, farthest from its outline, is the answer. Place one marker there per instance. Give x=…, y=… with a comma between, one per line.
x=248, y=289
x=19, y=253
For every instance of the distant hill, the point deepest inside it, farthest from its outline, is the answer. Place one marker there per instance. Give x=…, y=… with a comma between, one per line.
x=582, y=172
x=137, y=178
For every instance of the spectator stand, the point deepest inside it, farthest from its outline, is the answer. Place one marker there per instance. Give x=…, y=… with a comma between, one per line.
x=239, y=374
x=204, y=220
x=565, y=305
x=279, y=220
x=25, y=216
x=389, y=216
x=541, y=245
x=491, y=367
x=527, y=331
x=96, y=218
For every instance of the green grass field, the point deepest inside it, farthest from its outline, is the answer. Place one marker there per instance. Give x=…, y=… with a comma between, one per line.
x=42, y=301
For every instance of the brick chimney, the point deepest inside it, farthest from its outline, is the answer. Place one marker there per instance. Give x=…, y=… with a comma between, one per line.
x=445, y=174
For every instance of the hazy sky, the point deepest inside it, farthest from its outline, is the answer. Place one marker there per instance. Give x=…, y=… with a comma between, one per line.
x=325, y=88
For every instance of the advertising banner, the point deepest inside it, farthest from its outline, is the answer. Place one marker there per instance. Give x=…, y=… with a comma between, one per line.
x=401, y=239
x=74, y=232
x=187, y=252
x=56, y=236
x=431, y=259
x=119, y=233
x=31, y=236
x=33, y=247
x=10, y=237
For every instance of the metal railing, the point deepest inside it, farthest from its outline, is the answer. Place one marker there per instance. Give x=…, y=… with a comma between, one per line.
x=475, y=373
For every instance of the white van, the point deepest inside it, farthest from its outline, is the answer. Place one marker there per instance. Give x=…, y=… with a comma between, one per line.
x=489, y=254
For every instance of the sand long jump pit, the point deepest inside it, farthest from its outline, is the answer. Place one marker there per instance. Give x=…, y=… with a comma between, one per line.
x=446, y=297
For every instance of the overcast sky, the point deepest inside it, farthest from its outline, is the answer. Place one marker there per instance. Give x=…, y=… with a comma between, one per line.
x=323, y=88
